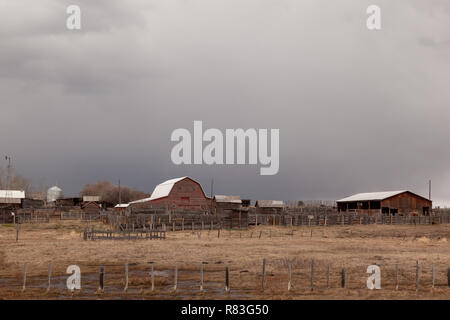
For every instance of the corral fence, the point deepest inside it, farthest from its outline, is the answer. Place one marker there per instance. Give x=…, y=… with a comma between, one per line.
x=343, y=219
x=176, y=221
x=80, y=215
x=123, y=235
x=24, y=217
x=183, y=221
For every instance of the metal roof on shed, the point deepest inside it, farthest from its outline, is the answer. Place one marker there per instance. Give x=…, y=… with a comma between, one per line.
x=12, y=194
x=227, y=199
x=371, y=196
x=269, y=204
x=123, y=205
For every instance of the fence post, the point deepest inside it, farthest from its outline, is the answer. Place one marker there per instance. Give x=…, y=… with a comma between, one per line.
x=227, y=279
x=396, y=277
x=448, y=277
x=126, y=278
x=201, y=276
x=263, y=273
x=25, y=267
x=417, y=275
x=260, y=234
x=175, y=278
x=289, y=276
x=101, y=279
x=328, y=276
x=343, y=278
x=432, y=277
x=49, y=276
x=153, y=276
x=17, y=232
x=312, y=274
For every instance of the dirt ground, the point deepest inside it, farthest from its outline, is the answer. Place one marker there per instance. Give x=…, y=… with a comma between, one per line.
x=351, y=247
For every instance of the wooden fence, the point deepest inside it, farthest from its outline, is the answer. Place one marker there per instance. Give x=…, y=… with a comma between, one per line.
x=123, y=235
x=32, y=218
x=343, y=219
x=79, y=215
x=175, y=222
x=294, y=275
x=236, y=220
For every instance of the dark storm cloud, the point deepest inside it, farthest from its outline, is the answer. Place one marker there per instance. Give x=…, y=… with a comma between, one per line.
x=357, y=110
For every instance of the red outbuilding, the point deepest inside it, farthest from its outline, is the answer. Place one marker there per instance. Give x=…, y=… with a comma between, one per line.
x=176, y=194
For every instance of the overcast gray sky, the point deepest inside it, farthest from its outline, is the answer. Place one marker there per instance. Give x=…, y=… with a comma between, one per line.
x=357, y=110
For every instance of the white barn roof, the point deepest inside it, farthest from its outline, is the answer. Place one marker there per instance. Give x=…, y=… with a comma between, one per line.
x=371, y=196
x=161, y=190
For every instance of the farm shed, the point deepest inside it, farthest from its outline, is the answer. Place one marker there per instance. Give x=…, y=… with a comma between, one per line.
x=223, y=204
x=401, y=202
x=32, y=203
x=246, y=203
x=11, y=197
x=10, y=201
x=121, y=208
x=91, y=208
x=68, y=202
x=269, y=206
x=176, y=194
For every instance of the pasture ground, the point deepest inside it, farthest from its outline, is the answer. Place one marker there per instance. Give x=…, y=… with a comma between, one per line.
x=350, y=247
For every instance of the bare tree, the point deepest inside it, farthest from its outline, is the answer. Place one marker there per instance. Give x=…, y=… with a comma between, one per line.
x=110, y=192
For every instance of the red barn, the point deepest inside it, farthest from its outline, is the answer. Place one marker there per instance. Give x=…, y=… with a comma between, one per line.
x=176, y=194
x=401, y=202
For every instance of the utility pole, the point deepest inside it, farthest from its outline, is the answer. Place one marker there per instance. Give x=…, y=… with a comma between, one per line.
x=8, y=172
x=212, y=186
x=429, y=189
x=120, y=195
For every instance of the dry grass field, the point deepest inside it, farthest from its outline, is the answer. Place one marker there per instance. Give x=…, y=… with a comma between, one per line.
x=350, y=247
